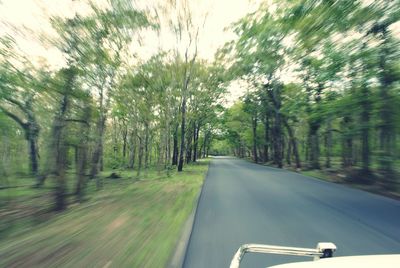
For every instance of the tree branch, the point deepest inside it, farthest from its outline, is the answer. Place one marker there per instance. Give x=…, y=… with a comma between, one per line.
x=14, y=117
x=19, y=104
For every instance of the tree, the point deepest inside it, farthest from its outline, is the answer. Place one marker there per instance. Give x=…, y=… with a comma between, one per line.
x=19, y=88
x=344, y=60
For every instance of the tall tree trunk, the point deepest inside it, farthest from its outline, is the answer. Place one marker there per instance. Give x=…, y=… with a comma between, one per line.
x=266, y=138
x=175, y=147
x=196, y=141
x=293, y=142
x=183, y=129
x=185, y=86
x=33, y=155
x=189, y=145
x=97, y=158
x=59, y=145
x=159, y=154
x=167, y=148
x=289, y=152
x=132, y=150
x=125, y=142
x=60, y=149
x=32, y=136
x=82, y=151
x=140, y=157
x=146, y=146
x=314, y=151
x=205, y=141
x=202, y=148
x=151, y=155
x=115, y=142
x=254, y=128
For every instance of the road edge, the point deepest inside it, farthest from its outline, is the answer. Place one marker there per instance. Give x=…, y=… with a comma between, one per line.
x=179, y=255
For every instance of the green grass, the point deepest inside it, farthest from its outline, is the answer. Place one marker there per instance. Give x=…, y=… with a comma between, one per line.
x=316, y=174
x=132, y=222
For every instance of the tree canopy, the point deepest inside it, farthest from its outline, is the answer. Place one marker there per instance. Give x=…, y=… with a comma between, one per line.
x=321, y=83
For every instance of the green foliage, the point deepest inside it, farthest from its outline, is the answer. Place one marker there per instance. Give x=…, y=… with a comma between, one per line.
x=344, y=56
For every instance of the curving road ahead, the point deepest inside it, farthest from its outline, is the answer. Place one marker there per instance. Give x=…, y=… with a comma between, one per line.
x=243, y=203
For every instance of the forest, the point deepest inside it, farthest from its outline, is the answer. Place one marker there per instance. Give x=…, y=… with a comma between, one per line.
x=321, y=83
x=103, y=109
x=320, y=91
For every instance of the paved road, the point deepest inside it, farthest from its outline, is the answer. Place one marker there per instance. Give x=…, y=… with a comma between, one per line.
x=242, y=202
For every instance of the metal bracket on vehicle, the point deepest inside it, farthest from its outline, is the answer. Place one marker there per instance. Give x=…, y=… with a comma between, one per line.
x=326, y=248
x=323, y=250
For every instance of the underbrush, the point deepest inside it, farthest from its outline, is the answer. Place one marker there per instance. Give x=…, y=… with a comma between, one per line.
x=131, y=222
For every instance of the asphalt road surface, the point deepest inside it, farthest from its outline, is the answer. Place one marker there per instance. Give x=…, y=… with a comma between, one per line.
x=243, y=203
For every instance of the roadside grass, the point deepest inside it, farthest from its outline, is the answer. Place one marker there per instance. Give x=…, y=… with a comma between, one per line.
x=318, y=174
x=132, y=222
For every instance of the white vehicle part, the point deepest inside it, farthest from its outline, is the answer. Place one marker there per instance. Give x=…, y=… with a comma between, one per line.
x=323, y=250
x=367, y=261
